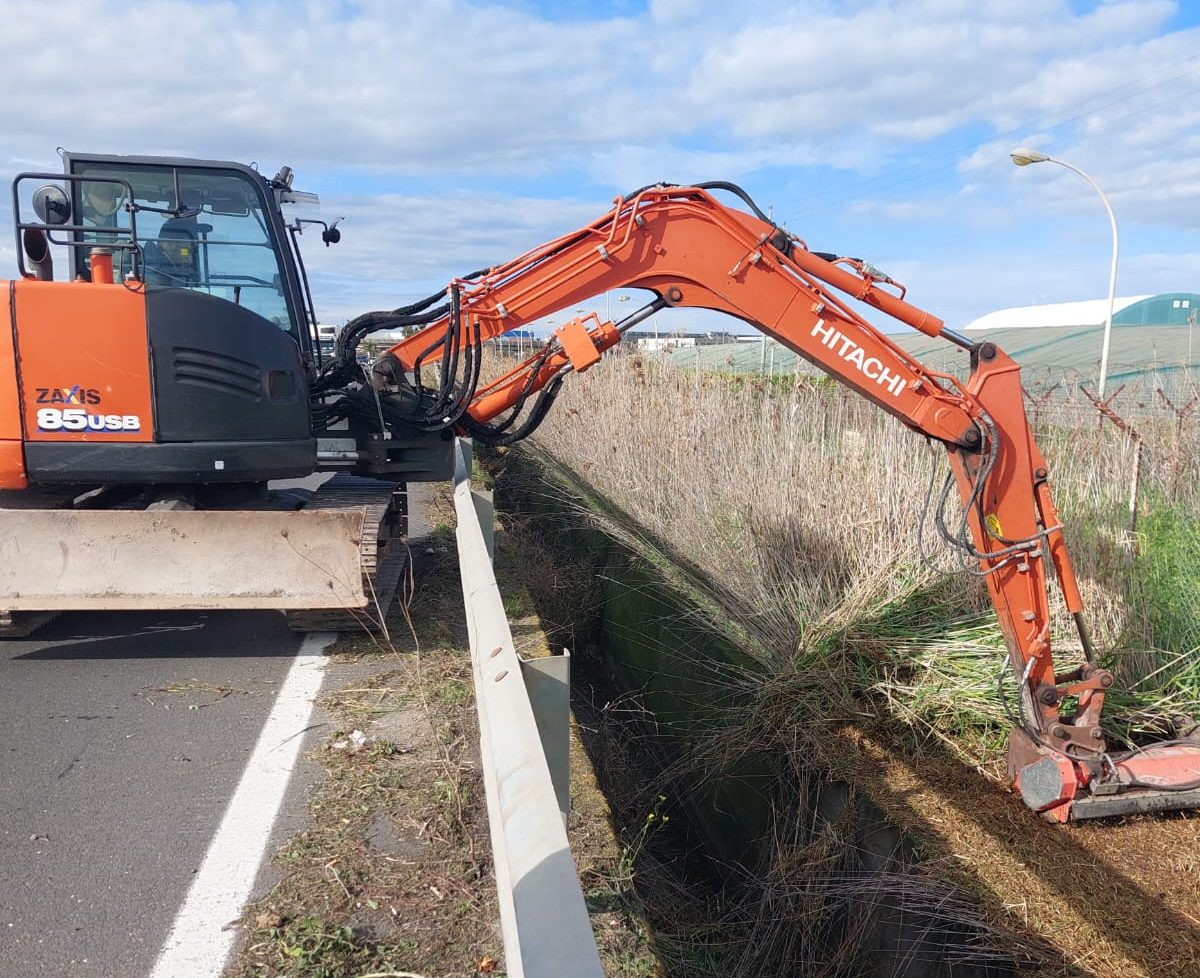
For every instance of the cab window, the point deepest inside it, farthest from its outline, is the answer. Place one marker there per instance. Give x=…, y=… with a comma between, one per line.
x=218, y=240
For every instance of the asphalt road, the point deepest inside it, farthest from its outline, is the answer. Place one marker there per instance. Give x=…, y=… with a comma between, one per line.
x=122, y=737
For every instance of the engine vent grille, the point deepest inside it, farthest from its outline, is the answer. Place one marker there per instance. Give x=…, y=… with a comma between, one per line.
x=218, y=373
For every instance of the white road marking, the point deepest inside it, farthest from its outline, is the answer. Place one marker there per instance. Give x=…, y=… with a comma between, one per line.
x=202, y=936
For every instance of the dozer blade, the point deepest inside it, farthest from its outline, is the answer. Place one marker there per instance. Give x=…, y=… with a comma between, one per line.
x=1157, y=778
x=64, y=560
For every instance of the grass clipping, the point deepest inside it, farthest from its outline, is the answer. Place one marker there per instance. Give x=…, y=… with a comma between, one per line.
x=393, y=874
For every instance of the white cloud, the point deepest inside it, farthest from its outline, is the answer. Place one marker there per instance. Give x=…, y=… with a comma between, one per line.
x=1162, y=271
x=434, y=84
x=447, y=102
x=408, y=247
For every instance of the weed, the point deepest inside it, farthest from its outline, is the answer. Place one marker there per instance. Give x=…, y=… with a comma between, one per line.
x=310, y=947
x=635, y=844
x=827, y=575
x=516, y=605
x=449, y=691
x=1166, y=577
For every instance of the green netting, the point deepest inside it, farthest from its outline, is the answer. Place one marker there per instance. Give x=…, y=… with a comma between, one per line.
x=1143, y=359
x=1167, y=309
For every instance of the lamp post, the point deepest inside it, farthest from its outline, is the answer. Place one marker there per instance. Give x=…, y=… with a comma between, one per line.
x=608, y=299
x=1023, y=156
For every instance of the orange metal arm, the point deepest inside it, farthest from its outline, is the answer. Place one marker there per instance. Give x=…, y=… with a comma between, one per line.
x=687, y=247
x=695, y=252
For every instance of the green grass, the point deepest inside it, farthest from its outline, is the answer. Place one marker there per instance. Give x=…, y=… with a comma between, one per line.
x=449, y=691
x=1166, y=577
x=310, y=947
x=516, y=605
x=940, y=667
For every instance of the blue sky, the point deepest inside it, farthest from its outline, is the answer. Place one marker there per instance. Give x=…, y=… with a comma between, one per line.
x=454, y=134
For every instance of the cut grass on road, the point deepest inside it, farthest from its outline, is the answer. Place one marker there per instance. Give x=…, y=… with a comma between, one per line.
x=394, y=873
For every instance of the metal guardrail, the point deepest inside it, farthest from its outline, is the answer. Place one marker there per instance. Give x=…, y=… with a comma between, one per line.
x=543, y=918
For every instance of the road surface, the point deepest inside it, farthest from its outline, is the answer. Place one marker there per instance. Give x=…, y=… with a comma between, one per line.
x=122, y=739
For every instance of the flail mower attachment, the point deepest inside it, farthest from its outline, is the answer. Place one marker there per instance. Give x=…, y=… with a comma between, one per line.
x=1159, y=777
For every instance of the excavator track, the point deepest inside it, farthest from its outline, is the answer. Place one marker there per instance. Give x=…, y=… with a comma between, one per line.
x=382, y=553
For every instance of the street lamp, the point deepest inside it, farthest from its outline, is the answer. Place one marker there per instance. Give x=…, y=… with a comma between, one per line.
x=608, y=300
x=1023, y=156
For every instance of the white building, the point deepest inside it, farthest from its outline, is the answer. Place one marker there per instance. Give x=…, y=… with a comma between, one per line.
x=660, y=344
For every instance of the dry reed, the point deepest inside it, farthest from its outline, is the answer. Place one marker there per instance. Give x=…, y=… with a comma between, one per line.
x=805, y=512
x=801, y=515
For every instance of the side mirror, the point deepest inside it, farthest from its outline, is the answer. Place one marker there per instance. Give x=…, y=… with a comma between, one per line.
x=52, y=205
x=331, y=235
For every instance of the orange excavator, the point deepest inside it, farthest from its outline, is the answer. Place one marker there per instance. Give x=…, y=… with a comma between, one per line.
x=148, y=400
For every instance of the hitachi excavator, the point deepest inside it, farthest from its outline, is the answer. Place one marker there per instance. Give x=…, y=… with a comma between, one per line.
x=149, y=396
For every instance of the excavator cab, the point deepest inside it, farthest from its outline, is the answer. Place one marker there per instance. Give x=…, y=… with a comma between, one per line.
x=182, y=322
x=214, y=228
x=198, y=332
x=150, y=396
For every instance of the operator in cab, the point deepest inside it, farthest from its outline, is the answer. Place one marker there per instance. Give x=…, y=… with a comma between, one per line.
x=171, y=258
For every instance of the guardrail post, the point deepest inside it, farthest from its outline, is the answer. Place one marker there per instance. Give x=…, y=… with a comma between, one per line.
x=548, y=682
x=485, y=510
x=483, y=499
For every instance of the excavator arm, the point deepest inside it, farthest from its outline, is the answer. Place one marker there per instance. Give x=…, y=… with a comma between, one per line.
x=690, y=250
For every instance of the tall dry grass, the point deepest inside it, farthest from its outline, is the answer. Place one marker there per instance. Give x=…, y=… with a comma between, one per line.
x=800, y=514
x=805, y=513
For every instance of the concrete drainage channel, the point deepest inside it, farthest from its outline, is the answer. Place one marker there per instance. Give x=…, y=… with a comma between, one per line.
x=748, y=868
